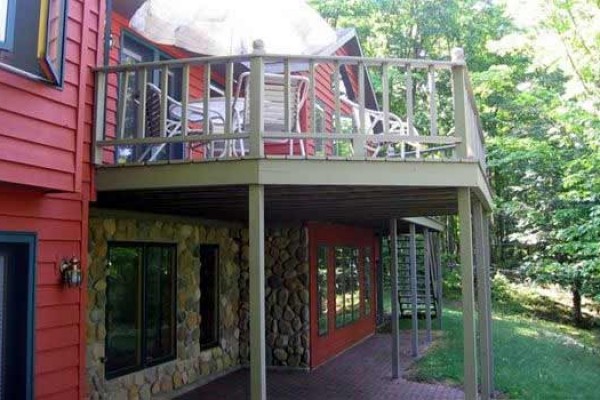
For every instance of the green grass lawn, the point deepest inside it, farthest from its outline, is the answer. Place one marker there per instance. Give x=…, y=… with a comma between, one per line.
x=534, y=359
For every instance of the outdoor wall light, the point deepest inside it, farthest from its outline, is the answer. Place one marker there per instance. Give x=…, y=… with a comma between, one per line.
x=70, y=269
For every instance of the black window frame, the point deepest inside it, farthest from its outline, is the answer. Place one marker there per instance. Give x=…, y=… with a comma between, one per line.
x=144, y=363
x=9, y=34
x=45, y=70
x=216, y=328
x=28, y=280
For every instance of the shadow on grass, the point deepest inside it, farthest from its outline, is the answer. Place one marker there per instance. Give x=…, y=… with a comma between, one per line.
x=533, y=359
x=531, y=304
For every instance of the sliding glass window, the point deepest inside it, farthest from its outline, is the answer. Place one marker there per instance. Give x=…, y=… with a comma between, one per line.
x=140, y=309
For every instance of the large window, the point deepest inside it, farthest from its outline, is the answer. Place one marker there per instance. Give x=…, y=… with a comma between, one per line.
x=32, y=37
x=347, y=286
x=17, y=285
x=140, y=308
x=209, y=296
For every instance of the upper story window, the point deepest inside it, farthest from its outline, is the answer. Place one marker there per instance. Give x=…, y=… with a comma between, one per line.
x=7, y=20
x=32, y=37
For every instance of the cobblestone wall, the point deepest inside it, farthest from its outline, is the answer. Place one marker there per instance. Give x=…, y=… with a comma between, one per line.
x=190, y=363
x=287, y=298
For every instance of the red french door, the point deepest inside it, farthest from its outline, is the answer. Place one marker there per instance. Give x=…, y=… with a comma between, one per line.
x=342, y=265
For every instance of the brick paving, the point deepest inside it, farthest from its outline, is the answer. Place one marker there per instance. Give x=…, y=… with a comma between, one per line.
x=362, y=373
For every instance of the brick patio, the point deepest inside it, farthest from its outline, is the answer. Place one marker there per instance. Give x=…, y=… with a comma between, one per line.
x=363, y=372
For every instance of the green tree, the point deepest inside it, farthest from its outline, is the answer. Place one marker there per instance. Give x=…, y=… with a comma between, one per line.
x=539, y=106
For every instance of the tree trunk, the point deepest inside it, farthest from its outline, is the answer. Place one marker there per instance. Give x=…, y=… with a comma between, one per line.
x=577, y=315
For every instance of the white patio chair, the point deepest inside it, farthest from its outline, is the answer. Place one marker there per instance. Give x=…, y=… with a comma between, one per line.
x=274, y=107
x=174, y=112
x=373, y=119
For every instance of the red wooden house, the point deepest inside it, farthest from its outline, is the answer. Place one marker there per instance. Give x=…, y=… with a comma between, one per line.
x=202, y=197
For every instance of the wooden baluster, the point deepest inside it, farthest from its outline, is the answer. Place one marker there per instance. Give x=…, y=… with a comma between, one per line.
x=337, y=95
x=385, y=87
x=313, y=98
x=432, y=102
x=229, y=112
x=257, y=96
x=164, y=100
x=123, y=84
x=359, y=144
x=410, y=108
x=141, y=111
x=206, y=126
x=185, y=101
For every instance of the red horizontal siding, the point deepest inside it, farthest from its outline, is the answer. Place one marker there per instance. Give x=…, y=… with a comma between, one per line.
x=59, y=316
x=56, y=360
x=44, y=132
x=40, y=128
x=68, y=394
x=57, y=383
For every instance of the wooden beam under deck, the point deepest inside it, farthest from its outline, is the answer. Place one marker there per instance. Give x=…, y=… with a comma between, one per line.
x=360, y=181
x=368, y=206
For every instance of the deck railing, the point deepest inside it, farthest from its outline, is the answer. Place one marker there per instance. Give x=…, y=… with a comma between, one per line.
x=260, y=105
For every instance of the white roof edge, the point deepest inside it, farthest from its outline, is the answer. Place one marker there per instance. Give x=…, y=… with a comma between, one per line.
x=427, y=222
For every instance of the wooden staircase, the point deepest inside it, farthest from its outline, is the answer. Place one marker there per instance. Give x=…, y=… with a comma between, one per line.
x=404, y=278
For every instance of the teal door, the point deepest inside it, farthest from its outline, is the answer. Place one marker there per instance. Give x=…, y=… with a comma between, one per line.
x=17, y=285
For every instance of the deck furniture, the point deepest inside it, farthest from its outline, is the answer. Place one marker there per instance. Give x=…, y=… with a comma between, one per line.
x=374, y=121
x=275, y=107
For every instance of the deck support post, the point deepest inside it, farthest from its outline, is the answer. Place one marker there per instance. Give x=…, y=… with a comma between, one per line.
x=412, y=255
x=437, y=248
x=483, y=276
x=258, y=379
x=488, y=260
x=394, y=284
x=427, y=264
x=468, y=294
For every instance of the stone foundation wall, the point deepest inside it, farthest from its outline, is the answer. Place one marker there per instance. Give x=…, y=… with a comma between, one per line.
x=191, y=363
x=287, y=298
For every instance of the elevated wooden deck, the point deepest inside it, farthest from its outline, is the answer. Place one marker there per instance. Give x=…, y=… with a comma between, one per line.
x=264, y=130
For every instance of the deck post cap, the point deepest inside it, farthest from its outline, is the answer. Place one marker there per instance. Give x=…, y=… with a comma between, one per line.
x=258, y=46
x=457, y=54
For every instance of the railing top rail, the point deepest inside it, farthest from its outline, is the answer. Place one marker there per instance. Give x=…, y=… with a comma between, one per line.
x=178, y=62
x=473, y=105
x=348, y=60
x=415, y=63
